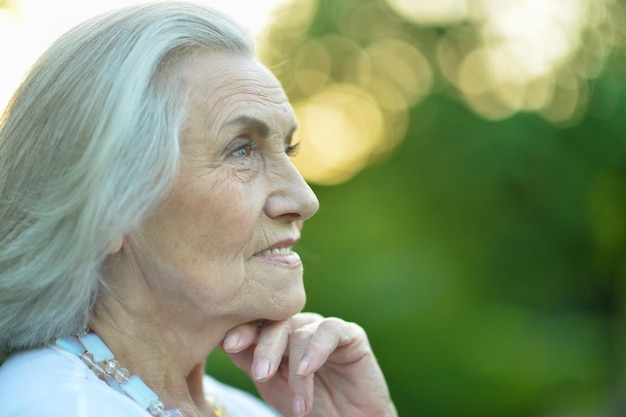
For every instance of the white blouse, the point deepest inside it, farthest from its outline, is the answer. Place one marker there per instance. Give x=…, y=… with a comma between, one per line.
x=53, y=383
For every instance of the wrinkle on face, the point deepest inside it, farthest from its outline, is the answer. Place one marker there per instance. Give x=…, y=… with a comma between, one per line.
x=239, y=90
x=203, y=241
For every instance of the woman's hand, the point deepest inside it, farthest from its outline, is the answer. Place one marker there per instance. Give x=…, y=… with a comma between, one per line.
x=310, y=365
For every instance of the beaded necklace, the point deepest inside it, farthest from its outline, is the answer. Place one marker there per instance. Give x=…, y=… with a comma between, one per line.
x=90, y=348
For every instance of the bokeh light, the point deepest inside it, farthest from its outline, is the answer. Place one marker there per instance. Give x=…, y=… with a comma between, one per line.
x=480, y=243
x=501, y=57
x=352, y=91
x=340, y=127
x=28, y=27
x=441, y=12
x=526, y=56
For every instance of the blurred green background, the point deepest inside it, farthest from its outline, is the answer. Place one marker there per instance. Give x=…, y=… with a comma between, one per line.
x=481, y=238
x=470, y=161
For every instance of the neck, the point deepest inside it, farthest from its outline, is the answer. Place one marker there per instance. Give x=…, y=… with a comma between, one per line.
x=162, y=337
x=169, y=359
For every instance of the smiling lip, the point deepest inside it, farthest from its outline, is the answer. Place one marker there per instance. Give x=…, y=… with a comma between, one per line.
x=281, y=253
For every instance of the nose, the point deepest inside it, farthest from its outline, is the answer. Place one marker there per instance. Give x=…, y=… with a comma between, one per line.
x=291, y=199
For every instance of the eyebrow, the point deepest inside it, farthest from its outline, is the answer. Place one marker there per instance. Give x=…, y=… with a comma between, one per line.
x=258, y=125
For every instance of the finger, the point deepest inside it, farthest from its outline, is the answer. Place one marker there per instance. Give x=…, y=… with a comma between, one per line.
x=269, y=350
x=311, y=347
x=301, y=386
x=272, y=342
x=241, y=337
x=243, y=360
x=346, y=342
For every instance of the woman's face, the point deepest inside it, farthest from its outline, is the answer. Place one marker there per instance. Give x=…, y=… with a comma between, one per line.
x=221, y=242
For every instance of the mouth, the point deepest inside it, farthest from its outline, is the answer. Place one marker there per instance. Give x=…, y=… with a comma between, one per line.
x=280, y=253
x=285, y=250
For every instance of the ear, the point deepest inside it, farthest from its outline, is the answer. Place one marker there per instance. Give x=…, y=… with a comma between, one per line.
x=116, y=245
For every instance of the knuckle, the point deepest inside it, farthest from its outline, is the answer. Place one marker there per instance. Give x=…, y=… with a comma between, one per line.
x=317, y=345
x=333, y=323
x=309, y=317
x=301, y=333
x=359, y=331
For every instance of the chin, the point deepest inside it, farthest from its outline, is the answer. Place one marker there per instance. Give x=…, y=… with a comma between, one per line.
x=285, y=308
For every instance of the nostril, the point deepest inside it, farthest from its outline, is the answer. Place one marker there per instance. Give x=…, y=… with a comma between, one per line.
x=292, y=199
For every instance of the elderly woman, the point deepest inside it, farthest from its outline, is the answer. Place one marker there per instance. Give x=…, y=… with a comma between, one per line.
x=148, y=210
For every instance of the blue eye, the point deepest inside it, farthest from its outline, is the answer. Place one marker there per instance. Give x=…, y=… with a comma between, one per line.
x=244, y=150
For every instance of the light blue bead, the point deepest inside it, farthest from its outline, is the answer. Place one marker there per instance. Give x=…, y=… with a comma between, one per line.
x=113, y=384
x=71, y=344
x=174, y=413
x=139, y=391
x=96, y=347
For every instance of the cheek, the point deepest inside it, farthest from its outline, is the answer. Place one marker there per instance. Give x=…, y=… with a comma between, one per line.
x=208, y=213
x=206, y=240
x=229, y=226
x=206, y=232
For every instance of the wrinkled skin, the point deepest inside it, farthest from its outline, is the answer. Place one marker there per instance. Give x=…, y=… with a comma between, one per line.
x=310, y=365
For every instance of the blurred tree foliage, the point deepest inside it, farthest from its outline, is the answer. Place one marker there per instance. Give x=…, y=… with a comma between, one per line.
x=486, y=259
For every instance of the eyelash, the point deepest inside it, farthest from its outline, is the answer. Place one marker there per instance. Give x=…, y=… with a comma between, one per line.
x=292, y=150
x=248, y=148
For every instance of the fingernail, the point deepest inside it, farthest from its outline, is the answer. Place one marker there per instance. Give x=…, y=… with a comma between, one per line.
x=261, y=369
x=298, y=406
x=231, y=341
x=303, y=366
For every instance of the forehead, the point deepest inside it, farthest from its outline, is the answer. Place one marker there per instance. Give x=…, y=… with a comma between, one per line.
x=223, y=86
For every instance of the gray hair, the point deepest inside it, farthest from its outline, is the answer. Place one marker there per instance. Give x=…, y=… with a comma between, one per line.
x=88, y=148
